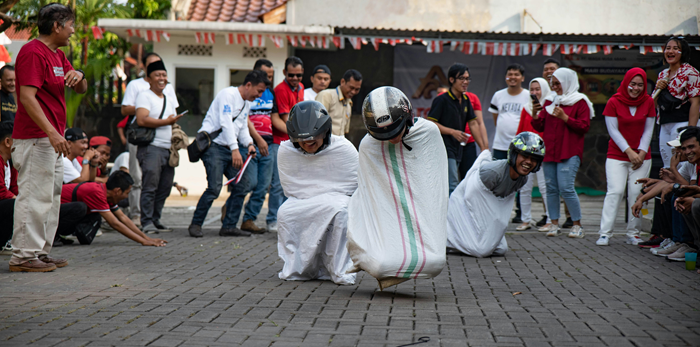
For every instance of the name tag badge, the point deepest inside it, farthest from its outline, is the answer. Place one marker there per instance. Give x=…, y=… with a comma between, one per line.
x=58, y=71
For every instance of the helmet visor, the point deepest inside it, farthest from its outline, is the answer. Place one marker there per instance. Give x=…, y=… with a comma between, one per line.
x=388, y=132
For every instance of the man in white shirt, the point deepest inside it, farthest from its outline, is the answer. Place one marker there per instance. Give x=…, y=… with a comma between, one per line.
x=133, y=89
x=75, y=170
x=227, y=123
x=154, y=109
x=506, y=105
x=320, y=79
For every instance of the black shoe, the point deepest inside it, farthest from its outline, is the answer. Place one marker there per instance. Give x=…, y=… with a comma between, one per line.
x=161, y=227
x=568, y=224
x=542, y=221
x=233, y=232
x=516, y=219
x=655, y=240
x=195, y=230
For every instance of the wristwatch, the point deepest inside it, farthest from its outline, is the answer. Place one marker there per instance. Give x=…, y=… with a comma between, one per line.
x=81, y=72
x=86, y=162
x=676, y=186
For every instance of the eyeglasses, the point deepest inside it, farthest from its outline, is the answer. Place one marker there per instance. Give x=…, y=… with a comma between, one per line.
x=462, y=79
x=297, y=75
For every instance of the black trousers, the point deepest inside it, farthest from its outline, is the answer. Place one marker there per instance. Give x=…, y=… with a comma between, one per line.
x=662, y=224
x=7, y=212
x=469, y=156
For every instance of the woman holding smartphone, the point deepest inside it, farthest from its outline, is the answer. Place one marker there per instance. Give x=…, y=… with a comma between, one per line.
x=563, y=121
x=629, y=116
x=539, y=89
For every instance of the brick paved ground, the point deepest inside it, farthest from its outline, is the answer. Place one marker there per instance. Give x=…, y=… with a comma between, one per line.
x=225, y=291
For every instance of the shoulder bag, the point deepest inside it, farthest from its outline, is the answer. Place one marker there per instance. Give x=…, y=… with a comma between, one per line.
x=143, y=136
x=203, y=141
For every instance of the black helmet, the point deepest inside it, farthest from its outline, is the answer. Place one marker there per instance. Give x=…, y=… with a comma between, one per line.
x=309, y=120
x=528, y=143
x=386, y=112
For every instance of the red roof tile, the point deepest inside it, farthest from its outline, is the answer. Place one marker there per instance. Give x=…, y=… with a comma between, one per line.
x=230, y=10
x=21, y=35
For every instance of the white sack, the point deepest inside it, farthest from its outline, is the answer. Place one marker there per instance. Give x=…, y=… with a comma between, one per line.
x=312, y=223
x=476, y=218
x=398, y=215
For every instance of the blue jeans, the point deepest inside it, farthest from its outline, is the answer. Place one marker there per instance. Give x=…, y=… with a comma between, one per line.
x=560, y=178
x=217, y=163
x=276, y=197
x=257, y=178
x=681, y=233
x=452, y=174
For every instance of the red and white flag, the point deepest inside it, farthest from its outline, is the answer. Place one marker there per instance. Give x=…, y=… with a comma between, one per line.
x=293, y=40
x=303, y=39
x=549, y=49
x=355, y=42
x=339, y=42
x=434, y=46
x=607, y=49
x=207, y=38
x=589, y=49
x=375, y=43
x=151, y=35
x=130, y=32
x=278, y=41
x=650, y=49
x=165, y=35
x=98, y=33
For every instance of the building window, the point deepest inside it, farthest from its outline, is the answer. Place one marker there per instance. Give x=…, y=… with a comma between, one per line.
x=238, y=76
x=195, y=92
x=200, y=50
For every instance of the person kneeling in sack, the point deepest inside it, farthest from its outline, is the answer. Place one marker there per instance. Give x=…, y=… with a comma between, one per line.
x=398, y=215
x=86, y=203
x=318, y=172
x=480, y=206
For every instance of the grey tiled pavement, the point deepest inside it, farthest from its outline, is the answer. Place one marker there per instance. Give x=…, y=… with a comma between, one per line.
x=225, y=291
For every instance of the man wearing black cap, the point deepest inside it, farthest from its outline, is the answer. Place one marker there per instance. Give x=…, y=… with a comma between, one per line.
x=75, y=168
x=157, y=175
x=320, y=79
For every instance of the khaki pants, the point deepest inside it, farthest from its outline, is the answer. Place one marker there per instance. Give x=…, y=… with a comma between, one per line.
x=39, y=182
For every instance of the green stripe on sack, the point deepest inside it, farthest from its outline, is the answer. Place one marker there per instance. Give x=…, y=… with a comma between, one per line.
x=406, y=213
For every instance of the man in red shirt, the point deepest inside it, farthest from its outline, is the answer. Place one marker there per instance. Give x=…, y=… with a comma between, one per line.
x=43, y=74
x=103, y=146
x=287, y=94
x=96, y=200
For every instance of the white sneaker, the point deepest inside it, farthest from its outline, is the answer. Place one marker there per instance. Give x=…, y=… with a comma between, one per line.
x=603, y=240
x=272, y=226
x=669, y=250
x=667, y=245
x=634, y=240
x=524, y=226
x=99, y=233
x=553, y=231
x=545, y=227
x=576, y=232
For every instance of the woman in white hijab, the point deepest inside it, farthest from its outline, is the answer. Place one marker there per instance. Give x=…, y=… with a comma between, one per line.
x=564, y=122
x=539, y=89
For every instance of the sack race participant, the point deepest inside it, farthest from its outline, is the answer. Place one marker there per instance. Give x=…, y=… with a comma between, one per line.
x=398, y=215
x=480, y=206
x=318, y=172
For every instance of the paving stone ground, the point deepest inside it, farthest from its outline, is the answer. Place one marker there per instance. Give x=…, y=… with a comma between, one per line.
x=217, y=291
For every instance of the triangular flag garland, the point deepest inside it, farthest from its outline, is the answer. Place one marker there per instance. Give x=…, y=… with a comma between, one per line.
x=356, y=42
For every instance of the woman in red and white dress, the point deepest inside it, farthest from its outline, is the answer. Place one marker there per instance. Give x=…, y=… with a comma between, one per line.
x=678, y=100
x=539, y=87
x=629, y=116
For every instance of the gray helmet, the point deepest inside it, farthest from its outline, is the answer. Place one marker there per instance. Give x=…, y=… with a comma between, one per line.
x=528, y=143
x=307, y=121
x=386, y=111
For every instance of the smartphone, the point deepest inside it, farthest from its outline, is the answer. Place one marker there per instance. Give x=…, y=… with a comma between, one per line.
x=184, y=113
x=534, y=97
x=681, y=192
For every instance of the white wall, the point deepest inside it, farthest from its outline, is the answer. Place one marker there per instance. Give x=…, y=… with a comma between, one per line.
x=14, y=48
x=573, y=16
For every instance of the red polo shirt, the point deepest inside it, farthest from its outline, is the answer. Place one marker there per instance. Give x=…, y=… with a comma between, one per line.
x=40, y=67
x=286, y=98
x=476, y=105
x=93, y=194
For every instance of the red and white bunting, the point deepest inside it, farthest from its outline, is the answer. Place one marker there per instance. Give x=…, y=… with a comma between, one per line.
x=339, y=42
x=293, y=40
x=549, y=49
x=651, y=49
x=98, y=33
x=589, y=49
x=625, y=46
x=607, y=49
x=130, y=32
x=277, y=40
x=434, y=46
x=207, y=38
x=252, y=40
x=166, y=36
x=303, y=40
x=569, y=49
x=355, y=42
x=375, y=43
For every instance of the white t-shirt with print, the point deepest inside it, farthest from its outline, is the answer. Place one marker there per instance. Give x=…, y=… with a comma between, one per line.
x=154, y=104
x=508, y=108
x=71, y=169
